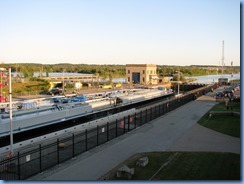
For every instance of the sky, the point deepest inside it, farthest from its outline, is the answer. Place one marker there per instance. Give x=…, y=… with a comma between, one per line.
x=162, y=32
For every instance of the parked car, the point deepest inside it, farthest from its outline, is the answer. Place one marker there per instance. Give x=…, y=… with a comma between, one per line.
x=220, y=94
x=54, y=91
x=56, y=99
x=226, y=92
x=66, y=100
x=81, y=98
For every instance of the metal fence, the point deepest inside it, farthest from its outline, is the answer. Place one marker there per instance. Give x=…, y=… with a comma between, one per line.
x=43, y=157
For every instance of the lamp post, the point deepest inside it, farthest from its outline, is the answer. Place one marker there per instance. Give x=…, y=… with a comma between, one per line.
x=10, y=113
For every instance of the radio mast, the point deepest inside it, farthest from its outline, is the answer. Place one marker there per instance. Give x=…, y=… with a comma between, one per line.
x=222, y=80
x=222, y=69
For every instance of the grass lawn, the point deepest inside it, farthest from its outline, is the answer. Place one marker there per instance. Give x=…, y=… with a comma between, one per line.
x=226, y=124
x=221, y=107
x=184, y=166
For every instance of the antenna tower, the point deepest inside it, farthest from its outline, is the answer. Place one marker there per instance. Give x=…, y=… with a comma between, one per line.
x=222, y=69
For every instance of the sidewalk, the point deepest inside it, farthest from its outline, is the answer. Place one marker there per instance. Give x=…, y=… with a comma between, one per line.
x=175, y=131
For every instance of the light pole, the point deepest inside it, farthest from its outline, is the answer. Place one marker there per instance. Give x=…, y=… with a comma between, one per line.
x=10, y=112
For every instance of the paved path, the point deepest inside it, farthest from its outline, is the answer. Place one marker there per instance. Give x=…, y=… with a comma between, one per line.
x=175, y=131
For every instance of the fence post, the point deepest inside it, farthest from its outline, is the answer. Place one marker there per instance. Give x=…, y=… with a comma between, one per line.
x=128, y=123
x=146, y=116
x=73, y=147
x=135, y=120
x=124, y=124
x=18, y=166
x=97, y=135
x=155, y=111
x=140, y=117
x=86, y=140
x=58, y=151
x=107, y=131
x=159, y=110
x=116, y=131
x=40, y=155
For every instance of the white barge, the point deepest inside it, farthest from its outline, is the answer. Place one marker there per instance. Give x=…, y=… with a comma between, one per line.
x=23, y=120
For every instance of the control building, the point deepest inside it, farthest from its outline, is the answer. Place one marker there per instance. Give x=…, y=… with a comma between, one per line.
x=141, y=74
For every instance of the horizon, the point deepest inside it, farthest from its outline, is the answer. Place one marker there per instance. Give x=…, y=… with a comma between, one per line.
x=200, y=65
x=97, y=32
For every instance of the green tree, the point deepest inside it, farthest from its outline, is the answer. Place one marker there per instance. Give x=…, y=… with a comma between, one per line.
x=27, y=71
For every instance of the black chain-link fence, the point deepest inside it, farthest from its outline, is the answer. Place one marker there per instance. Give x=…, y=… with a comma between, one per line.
x=42, y=157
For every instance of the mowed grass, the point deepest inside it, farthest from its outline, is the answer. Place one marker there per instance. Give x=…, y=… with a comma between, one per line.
x=221, y=107
x=184, y=166
x=226, y=124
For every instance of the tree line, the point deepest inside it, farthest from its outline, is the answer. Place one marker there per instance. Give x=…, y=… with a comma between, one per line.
x=26, y=70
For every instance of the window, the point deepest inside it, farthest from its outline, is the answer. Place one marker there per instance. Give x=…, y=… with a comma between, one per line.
x=143, y=79
x=143, y=71
x=151, y=71
x=128, y=71
x=147, y=71
x=128, y=79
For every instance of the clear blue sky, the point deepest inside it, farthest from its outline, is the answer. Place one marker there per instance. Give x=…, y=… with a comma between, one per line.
x=163, y=32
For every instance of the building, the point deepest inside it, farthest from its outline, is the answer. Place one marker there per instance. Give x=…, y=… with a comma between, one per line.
x=223, y=81
x=141, y=74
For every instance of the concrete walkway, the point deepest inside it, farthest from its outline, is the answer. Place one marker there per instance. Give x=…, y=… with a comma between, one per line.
x=175, y=131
